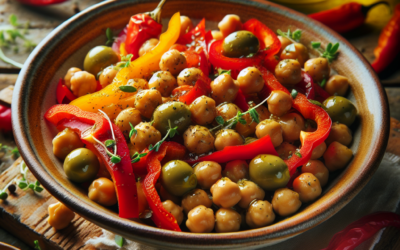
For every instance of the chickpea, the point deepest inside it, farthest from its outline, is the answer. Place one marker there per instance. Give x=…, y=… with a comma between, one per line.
x=337, y=85
x=165, y=195
x=189, y=76
x=227, y=137
x=147, y=101
x=173, y=61
x=307, y=186
x=279, y=102
x=164, y=82
x=340, y=133
x=148, y=45
x=285, y=150
x=318, y=169
x=59, y=216
x=65, y=142
x=207, y=173
x=102, y=191
x=125, y=118
x=146, y=135
x=318, y=68
x=107, y=76
x=250, y=80
x=198, y=140
x=195, y=198
x=318, y=151
x=297, y=51
x=249, y=192
x=271, y=128
x=142, y=201
x=83, y=83
x=247, y=129
x=229, y=24
x=227, y=110
x=69, y=75
x=236, y=170
x=288, y=72
x=201, y=220
x=203, y=110
x=227, y=220
x=224, y=89
x=138, y=83
x=337, y=156
x=292, y=124
x=174, y=209
x=262, y=111
x=225, y=193
x=284, y=43
x=259, y=214
x=217, y=35
x=286, y=202
x=186, y=25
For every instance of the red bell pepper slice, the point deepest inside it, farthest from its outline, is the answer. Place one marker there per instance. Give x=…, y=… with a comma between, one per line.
x=124, y=179
x=268, y=40
x=196, y=38
x=241, y=152
x=309, y=140
x=5, y=118
x=320, y=94
x=63, y=94
x=202, y=87
x=306, y=86
x=270, y=63
x=240, y=101
x=119, y=39
x=362, y=229
x=161, y=217
x=141, y=28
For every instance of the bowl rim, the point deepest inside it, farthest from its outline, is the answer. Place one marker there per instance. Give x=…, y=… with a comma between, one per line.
x=147, y=234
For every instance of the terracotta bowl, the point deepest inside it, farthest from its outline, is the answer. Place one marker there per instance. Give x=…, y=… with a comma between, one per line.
x=67, y=45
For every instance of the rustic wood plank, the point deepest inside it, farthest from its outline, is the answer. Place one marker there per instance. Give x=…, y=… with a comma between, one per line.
x=25, y=216
x=6, y=95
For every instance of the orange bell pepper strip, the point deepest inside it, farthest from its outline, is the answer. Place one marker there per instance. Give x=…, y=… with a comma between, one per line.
x=68, y=116
x=139, y=68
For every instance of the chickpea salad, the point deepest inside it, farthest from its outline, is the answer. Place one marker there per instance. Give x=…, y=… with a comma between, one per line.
x=203, y=131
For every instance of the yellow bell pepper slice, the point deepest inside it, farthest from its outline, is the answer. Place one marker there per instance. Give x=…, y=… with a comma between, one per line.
x=142, y=67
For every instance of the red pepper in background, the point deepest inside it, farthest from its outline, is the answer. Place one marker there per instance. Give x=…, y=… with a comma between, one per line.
x=161, y=217
x=362, y=229
x=309, y=140
x=388, y=43
x=69, y=116
x=63, y=94
x=40, y=2
x=345, y=17
x=241, y=152
x=5, y=118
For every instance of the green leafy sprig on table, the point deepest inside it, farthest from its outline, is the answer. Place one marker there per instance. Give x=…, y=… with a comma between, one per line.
x=119, y=240
x=329, y=53
x=8, y=39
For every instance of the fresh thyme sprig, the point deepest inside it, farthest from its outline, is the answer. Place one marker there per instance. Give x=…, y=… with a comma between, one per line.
x=126, y=60
x=171, y=133
x=136, y=157
x=222, y=71
x=329, y=53
x=231, y=123
x=110, y=37
x=292, y=36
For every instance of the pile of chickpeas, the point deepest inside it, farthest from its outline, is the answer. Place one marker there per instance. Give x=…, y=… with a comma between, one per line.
x=211, y=196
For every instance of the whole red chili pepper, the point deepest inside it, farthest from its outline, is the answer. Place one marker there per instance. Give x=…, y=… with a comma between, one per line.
x=362, y=229
x=345, y=17
x=5, y=118
x=388, y=43
x=69, y=116
x=161, y=217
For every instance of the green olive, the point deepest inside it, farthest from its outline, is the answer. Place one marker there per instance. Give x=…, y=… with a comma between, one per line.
x=178, y=177
x=99, y=58
x=340, y=109
x=177, y=113
x=269, y=171
x=240, y=43
x=81, y=165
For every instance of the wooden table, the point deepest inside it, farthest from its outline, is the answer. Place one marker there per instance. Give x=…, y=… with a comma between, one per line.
x=29, y=223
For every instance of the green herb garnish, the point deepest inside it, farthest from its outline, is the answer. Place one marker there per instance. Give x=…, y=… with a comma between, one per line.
x=329, y=53
x=171, y=133
x=293, y=36
x=223, y=71
x=110, y=37
x=294, y=93
x=127, y=88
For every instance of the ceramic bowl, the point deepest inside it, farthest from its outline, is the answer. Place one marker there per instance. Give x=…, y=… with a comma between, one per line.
x=67, y=45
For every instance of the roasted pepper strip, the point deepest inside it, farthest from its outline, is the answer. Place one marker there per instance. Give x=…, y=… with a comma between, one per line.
x=142, y=67
x=362, y=229
x=345, y=17
x=306, y=86
x=388, y=43
x=124, y=179
x=309, y=140
x=63, y=93
x=161, y=217
x=242, y=152
x=202, y=87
